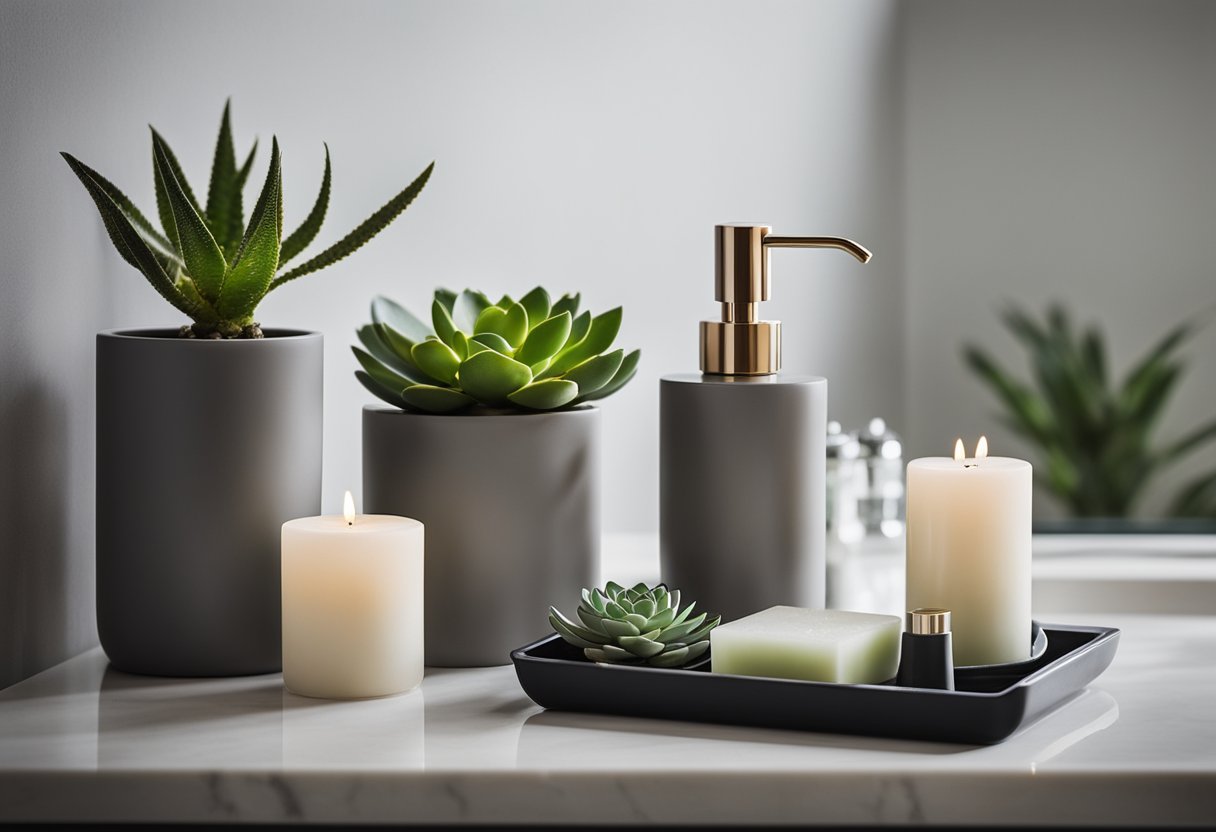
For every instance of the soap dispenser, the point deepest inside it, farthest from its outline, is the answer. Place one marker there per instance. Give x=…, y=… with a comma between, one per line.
x=742, y=449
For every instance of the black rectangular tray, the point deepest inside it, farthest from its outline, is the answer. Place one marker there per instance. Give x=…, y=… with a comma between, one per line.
x=986, y=707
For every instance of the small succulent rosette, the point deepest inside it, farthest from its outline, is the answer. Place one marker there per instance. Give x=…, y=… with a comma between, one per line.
x=642, y=625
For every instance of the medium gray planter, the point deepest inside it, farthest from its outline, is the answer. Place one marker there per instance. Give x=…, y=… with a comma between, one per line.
x=204, y=449
x=511, y=506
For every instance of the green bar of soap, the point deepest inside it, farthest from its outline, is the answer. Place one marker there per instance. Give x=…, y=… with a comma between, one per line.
x=814, y=645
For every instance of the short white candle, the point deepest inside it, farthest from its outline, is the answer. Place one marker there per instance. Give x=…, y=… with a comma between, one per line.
x=969, y=550
x=352, y=605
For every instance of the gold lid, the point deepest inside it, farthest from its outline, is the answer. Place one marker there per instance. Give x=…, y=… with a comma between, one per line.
x=929, y=621
x=741, y=344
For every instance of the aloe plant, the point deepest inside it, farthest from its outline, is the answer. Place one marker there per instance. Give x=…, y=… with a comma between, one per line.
x=1096, y=437
x=641, y=625
x=204, y=259
x=529, y=354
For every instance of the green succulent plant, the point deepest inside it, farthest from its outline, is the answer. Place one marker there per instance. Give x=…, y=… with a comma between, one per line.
x=529, y=354
x=1096, y=437
x=205, y=260
x=642, y=625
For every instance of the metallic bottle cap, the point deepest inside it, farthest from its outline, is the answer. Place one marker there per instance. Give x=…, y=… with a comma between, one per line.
x=741, y=344
x=929, y=621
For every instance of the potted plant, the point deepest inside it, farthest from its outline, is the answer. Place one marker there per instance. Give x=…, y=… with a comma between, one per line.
x=1095, y=437
x=208, y=436
x=490, y=440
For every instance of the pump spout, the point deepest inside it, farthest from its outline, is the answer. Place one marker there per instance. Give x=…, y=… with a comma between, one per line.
x=855, y=249
x=742, y=344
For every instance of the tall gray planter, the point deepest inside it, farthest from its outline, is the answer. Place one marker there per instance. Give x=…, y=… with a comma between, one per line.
x=204, y=449
x=510, y=502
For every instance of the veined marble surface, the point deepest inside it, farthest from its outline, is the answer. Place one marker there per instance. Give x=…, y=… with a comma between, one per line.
x=84, y=742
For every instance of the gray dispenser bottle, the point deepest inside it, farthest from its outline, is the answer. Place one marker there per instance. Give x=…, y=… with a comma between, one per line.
x=742, y=449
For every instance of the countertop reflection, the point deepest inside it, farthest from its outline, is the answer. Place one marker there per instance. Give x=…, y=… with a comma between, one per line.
x=84, y=741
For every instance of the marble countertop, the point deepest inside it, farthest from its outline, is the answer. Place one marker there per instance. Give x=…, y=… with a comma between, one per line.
x=84, y=742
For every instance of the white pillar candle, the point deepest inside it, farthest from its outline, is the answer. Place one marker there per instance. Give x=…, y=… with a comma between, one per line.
x=969, y=550
x=352, y=605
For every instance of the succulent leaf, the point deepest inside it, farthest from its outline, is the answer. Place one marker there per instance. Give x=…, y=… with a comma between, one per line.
x=594, y=373
x=510, y=323
x=629, y=637
x=403, y=349
x=388, y=311
x=578, y=329
x=545, y=339
x=224, y=210
x=299, y=239
x=624, y=375
x=372, y=339
x=437, y=360
x=189, y=232
x=609, y=653
x=432, y=399
x=469, y=306
x=549, y=394
x=380, y=391
x=566, y=303
x=599, y=337
x=494, y=341
x=162, y=195
x=491, y=377
x=242, y=175
x=130, y=245
x=366, y=230
x=441, y=319
x=640, y=646
x=536, y=304
x=379, y=373
x=447, y=297
x=248, y=278
x=568, y=628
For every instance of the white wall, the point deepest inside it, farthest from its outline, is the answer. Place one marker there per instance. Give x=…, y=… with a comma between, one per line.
x=578, y=145
x=1056, y=150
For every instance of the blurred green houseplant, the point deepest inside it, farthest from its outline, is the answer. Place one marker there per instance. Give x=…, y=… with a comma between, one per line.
x=1095, y=436
x=204, y=260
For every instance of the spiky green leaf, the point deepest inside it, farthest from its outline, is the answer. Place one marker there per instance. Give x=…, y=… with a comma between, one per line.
x=130, y=245
x=299, y=239
x=366, y=230
x=162, y=196
x=198, y=248
x=225, y=216
x=249, y=277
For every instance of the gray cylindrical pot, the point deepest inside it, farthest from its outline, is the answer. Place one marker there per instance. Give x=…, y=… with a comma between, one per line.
x=510, y=502
x=204, y=449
